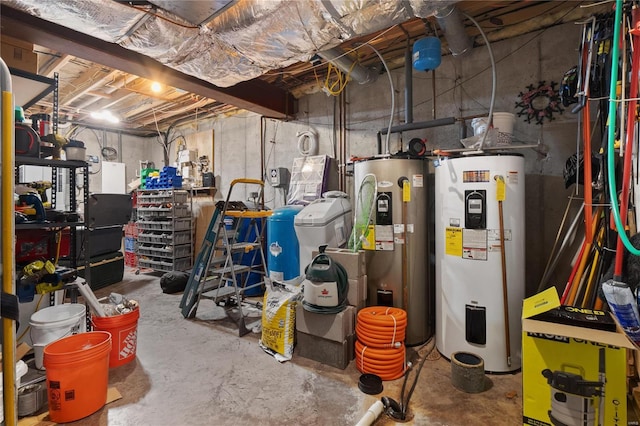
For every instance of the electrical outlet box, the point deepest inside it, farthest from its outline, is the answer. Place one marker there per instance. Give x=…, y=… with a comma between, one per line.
x=279, y=177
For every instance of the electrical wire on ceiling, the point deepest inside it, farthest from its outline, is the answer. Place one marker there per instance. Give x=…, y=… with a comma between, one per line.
x=268, y=158
x=159, y=139
x=159, y=16
x=494, y=79
x=340, y=80
x=75, y=131
x=393, y=97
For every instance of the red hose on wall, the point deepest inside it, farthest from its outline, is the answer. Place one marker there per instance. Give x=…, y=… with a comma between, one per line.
x=380, y=346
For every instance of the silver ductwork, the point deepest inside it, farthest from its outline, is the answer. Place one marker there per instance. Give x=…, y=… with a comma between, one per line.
x=450, y=21
x=356, y=72
x=244, y=40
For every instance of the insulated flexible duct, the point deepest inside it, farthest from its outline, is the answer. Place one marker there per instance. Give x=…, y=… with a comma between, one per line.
x=356, y=72
x=450, y=20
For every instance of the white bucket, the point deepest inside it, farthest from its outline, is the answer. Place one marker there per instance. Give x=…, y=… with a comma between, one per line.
x=504, y=122
x=53, y=323
x=21, y=370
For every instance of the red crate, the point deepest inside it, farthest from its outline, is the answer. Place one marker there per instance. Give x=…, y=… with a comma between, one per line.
x=130, y=259
x=131, y=230
x=40, y=244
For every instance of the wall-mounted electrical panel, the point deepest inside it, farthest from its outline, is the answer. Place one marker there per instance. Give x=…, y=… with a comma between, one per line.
x=279, y=177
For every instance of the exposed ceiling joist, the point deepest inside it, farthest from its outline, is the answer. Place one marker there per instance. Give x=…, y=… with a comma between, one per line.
x=89, y=80
x=254, y=95
x=55, y=65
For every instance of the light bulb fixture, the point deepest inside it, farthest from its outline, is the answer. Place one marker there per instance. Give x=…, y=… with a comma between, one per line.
x=156, y=87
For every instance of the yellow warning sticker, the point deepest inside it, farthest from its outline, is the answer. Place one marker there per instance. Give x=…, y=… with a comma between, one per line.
x=406, y=191
x=370, y=242
x=453, y=241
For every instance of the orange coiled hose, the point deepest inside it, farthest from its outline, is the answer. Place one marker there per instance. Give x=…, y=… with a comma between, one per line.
x=380, y=345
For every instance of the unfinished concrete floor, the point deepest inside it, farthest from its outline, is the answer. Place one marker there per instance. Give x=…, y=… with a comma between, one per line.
x=199, y=372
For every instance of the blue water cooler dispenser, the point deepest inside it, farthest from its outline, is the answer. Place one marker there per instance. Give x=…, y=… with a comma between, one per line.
x=283, y=253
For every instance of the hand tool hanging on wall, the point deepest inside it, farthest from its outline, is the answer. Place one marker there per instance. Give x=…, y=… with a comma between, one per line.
x=596, y=269
x=587, y=47
x=573, y=285
x=584, y=67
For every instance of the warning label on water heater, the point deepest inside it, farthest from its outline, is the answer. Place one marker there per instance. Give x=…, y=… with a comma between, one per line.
x=474, y=244
x=453, y=241
x=475, y=176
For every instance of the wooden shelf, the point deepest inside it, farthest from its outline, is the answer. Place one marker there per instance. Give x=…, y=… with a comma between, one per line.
x=204, y=191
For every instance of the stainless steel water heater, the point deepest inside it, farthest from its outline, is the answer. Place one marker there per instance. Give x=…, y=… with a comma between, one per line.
x=480, y=263
x=398, y=267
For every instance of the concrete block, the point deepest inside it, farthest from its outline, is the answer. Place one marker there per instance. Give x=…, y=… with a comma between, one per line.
x=357, y=295
x=355, y=263
x=328, y=352
x=335, y=327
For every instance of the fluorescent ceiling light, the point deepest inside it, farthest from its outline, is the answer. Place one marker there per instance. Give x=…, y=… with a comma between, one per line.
x=105, y=115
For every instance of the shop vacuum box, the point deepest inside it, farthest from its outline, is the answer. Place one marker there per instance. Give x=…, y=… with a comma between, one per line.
x=573, y=365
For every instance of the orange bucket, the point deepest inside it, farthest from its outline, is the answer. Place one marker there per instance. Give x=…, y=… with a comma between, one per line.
x=124, y=332
x=77, y=375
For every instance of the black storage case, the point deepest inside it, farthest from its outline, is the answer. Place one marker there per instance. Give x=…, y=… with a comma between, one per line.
x=106, y=269
x=101, y=241
x=109, y=210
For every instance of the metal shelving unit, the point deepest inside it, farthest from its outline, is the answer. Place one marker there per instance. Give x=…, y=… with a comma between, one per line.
x=165, y=241
x=76, y=168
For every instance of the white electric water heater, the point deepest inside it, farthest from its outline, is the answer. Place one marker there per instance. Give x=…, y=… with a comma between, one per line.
x=480, y=263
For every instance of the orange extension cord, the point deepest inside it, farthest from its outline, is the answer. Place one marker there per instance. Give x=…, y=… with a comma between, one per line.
x=380, y=346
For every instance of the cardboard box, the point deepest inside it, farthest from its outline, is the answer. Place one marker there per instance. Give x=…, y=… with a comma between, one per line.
x=571, y=373
x=19, y=54
x=335, y=327
x=204, y=212
x=355, y=263
x=328, y=352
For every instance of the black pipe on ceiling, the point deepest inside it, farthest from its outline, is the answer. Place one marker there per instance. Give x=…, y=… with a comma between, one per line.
x=414, y=126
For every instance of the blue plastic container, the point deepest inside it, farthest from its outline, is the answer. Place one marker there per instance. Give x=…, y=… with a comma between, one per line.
x=283, y=250
x=129, y=244
x=427, y=53
x=169, y=171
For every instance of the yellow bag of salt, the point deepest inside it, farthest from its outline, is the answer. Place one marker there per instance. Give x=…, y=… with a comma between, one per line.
x=279, y=318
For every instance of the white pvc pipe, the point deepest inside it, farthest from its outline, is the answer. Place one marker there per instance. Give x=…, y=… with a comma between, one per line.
x=91, y=299
x=372, y=414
